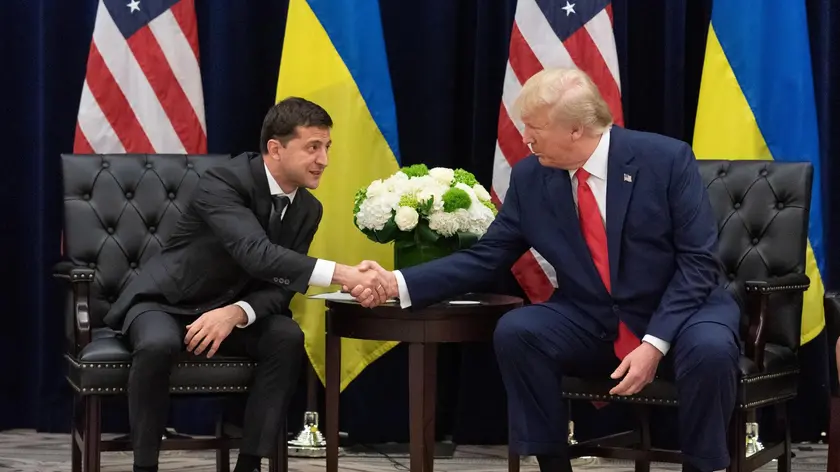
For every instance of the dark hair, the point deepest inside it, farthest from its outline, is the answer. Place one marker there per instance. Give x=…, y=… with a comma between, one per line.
x=282, y=120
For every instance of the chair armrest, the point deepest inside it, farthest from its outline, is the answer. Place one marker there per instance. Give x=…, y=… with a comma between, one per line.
x=80, y=279
x=785, y=283
x=758, y=294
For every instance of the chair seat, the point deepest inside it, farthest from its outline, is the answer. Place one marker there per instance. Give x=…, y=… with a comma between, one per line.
x=102, y=368
x=776, y=383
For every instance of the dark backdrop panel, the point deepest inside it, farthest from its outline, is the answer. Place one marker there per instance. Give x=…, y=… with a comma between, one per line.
x=447, y=61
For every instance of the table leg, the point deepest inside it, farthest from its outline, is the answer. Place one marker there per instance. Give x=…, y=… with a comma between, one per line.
x=422, y=385
x=333, y=388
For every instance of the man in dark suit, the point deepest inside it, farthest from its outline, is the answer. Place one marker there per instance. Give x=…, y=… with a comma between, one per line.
x=225, y=277
x=624, y=219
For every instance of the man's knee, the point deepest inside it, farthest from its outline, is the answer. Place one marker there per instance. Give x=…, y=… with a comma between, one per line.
x=710, y=347
x=511, y=331
x=164, y=347
x=281, y=334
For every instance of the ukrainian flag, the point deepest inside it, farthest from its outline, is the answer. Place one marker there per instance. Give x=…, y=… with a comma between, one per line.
x=757, y=102
x=334, y=55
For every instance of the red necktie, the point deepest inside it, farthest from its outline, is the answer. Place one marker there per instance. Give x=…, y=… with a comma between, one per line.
x=596, y=238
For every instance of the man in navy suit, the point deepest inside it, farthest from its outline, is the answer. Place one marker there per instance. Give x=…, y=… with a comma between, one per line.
x=624, y=219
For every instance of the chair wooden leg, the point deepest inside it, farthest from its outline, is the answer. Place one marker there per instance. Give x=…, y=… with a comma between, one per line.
x=784, y=462
x=737, y=441
x=643, y=413
x=75, y=446
x=92, y=433
x=223, y=452
x=279, y=461
x=332, y=394
x=834, y=436
x=513, y=461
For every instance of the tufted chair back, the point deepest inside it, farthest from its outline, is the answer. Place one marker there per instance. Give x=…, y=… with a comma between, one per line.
x=762, y=210
x=119, y=211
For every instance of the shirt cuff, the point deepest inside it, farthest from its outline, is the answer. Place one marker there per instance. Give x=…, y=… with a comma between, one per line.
x=657, y=343
x=249, y=311
x=322, y=274
x=405, y=299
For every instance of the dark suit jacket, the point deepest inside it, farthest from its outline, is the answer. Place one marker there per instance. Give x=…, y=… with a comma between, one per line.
x=661, y=238
x=219, y=251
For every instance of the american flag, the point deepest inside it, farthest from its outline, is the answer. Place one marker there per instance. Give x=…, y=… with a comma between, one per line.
x=142, y=91
x=549, y=34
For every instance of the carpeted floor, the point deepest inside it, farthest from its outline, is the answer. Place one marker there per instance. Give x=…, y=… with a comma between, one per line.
x=23, y=450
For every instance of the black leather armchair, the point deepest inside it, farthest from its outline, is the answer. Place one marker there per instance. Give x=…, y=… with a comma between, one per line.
x=118, y=212
x=762, y=212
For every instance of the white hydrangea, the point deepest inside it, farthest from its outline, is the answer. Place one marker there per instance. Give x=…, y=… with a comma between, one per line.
x=376, y=189
x=480, y=218
x=442, y=175
x=445, y=224
x=406, y=218
x=375, y=212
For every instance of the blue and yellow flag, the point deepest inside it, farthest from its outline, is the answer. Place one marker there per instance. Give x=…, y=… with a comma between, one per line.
x=757, y=102
x=334, y=55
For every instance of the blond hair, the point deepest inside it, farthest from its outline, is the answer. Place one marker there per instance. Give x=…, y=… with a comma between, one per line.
x=570, y=96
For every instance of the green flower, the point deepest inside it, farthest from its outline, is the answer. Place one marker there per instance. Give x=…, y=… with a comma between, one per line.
x=416, y=170
x=490, y=205
x=464, y=177
x=455, y=198
x=360, y=197
x=409, y=200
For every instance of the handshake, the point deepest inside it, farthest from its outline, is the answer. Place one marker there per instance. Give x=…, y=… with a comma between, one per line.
x=369, y=283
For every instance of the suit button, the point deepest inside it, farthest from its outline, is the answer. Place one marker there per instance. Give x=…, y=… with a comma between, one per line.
x=276, y=279
x=133, y=265
x=603, y=335
x=615, y=308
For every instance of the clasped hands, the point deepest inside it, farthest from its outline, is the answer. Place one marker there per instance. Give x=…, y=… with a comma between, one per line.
x=369, y=283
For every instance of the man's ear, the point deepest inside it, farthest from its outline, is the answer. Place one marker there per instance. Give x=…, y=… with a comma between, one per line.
x=274, y=148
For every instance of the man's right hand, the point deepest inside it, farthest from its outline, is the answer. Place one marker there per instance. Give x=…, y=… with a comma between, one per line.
x=372, y=283
x=365, y=296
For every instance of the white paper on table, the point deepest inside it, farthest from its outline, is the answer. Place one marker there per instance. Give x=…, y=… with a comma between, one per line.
x=340, y=297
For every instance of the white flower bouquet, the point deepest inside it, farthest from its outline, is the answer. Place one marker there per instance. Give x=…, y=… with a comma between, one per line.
x=426, y=213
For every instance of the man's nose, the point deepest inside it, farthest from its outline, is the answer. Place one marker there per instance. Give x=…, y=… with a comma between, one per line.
x=322, y=158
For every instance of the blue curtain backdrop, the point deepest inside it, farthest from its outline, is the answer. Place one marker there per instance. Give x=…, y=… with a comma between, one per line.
x=447, y=62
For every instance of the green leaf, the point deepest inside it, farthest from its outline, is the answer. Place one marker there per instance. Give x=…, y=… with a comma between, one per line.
x=465, y=240
x=424, y=234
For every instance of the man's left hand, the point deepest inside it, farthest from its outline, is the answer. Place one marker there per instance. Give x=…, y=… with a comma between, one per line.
x=211, y=328
x=638, y=370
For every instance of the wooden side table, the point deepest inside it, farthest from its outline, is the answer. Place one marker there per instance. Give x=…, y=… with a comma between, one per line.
x=454, y=321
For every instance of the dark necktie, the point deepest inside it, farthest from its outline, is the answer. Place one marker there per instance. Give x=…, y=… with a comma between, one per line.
x=596, y=238
x=279, y=203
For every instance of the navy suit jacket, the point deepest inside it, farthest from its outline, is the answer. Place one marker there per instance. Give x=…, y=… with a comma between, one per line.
x=661, y=238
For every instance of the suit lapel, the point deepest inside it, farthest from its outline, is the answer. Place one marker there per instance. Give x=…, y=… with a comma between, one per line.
x=621, y=178
x=262, y=196
x=558, y=188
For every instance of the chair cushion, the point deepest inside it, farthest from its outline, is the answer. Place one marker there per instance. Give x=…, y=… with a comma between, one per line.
x=102, y=368
x=775, y=384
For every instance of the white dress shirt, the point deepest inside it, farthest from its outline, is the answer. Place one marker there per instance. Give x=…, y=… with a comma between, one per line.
x=322, y=274
x=596, y=165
